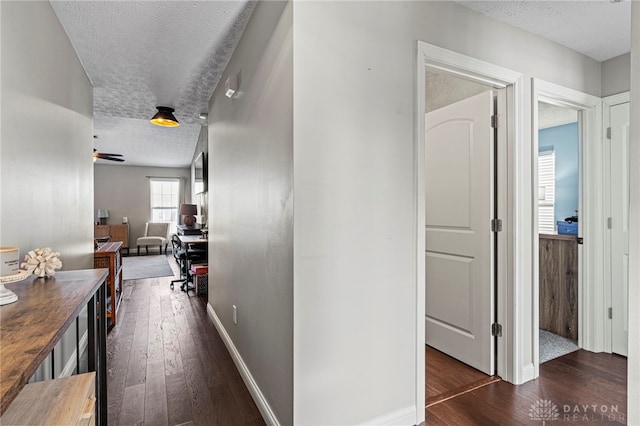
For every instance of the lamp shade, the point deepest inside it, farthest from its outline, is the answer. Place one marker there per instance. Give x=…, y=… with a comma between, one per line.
x=164, y=117
x=188, y=209
x=103, y=213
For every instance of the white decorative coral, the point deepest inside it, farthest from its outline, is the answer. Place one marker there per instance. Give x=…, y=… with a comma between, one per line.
x=42, y=262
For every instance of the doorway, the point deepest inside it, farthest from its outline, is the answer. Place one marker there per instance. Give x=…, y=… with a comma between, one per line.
x=558, y=208
x=488, y=75
x=591, y=305
x=460, y=203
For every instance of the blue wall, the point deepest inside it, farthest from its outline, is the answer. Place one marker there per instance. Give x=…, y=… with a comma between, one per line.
x=564, y=141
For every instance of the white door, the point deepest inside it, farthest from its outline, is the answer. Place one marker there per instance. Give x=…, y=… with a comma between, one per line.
x=459, y=242
x=619, y=226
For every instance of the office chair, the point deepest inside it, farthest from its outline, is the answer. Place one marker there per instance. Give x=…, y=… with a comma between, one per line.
x=180, y=255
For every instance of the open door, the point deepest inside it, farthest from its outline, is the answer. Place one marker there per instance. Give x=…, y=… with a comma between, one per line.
x=460, y=186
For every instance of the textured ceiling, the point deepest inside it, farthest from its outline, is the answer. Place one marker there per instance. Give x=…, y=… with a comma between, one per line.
x=142, y=54
x=600, y=29
x=552, y=115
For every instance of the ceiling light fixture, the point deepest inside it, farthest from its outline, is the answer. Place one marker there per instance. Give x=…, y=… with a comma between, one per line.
x=165, y=118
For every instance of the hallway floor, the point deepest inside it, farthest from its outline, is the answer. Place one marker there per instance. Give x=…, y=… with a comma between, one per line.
x=582, y=387
x=167, y=364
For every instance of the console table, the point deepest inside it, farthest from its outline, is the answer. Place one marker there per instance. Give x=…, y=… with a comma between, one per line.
x=109, y=255
x=32, y=326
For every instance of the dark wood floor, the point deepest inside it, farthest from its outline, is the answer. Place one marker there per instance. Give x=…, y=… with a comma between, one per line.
x=584, y=387
x=447, y=377
x=167, y=364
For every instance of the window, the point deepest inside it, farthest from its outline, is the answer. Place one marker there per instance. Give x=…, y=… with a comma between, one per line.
x=165, y=195
x=546, y=192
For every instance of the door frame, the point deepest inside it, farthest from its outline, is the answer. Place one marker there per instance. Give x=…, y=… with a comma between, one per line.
x=607, y=103
x=514, y=189
x=591, y=300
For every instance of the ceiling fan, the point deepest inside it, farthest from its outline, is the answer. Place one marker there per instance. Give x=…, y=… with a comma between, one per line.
x=105, y=156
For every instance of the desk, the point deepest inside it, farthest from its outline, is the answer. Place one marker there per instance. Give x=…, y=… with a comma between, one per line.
x=109, y=255
x=193, y=239
x=32, y=326
x=188, y=240
x=189, y=230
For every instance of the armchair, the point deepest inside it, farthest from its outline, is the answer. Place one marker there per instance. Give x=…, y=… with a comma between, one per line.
x=155, y=234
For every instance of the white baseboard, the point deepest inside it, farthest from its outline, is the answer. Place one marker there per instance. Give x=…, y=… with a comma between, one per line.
x=403, y=417
x=528, y=373
x=70, y=366
x=257, y=395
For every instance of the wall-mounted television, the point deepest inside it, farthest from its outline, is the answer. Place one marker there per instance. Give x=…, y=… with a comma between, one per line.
x=199, y=172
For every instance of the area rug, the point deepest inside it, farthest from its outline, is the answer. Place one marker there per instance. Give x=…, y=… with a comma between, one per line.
x=138, y=267
x=554, y=346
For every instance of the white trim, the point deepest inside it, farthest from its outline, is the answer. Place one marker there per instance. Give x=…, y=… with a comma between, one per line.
x=591, y=317
x=400, y=417
x=419, y=241
x=70, y=367
x=257, y=395
x=513, y=165
x=620, y=98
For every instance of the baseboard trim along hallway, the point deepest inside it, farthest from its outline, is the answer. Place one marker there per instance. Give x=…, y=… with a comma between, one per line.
x=259, y=398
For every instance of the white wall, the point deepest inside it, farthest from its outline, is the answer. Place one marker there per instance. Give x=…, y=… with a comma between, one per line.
x=124, y=191
x=251, y=205
x=616, y=75
x=46, y=167
x=354, y=232
x=633, y=366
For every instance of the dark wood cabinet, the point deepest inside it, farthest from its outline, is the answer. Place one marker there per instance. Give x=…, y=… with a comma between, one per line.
x=559, y=285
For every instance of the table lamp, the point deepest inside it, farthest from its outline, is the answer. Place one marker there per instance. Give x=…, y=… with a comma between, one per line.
x=188, y=210
x=103, y=214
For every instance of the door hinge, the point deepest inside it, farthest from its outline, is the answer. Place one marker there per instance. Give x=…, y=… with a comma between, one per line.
x=610, y=313
x=494, y=121
x=609, y=223
x=496, y=329
x=579, y=240
x=609, y=133
x=496, y=225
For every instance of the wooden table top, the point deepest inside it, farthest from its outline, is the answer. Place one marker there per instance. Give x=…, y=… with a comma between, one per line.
x=109, y=247
x=30, y=327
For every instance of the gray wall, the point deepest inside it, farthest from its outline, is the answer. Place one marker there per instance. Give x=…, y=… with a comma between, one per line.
x=124, y=191
x=616, y=75
x=355, y=235
x=46, y=166
x=251, y=205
